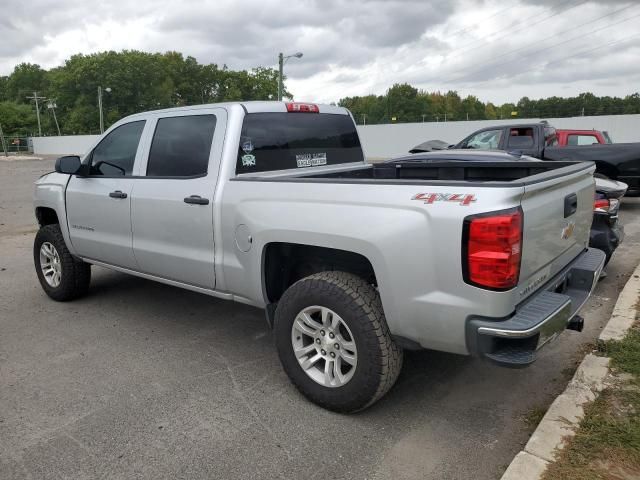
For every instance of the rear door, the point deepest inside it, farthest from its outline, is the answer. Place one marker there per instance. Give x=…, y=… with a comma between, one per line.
x=172, y=203
x=99, y=206
x=557, y=219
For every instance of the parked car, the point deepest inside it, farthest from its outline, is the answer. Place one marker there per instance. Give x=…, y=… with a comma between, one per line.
x=618, y=161
x=606, y=231
x=271, y=204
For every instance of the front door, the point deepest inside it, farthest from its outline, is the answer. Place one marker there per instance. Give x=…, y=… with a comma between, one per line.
x=172, y=205
x=99, y=205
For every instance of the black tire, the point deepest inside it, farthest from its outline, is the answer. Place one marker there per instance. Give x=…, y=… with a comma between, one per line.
x=76, y=274
x=379, y=359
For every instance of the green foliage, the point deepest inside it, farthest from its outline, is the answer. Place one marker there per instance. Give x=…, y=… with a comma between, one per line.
x=139, y=81
x=409, y=104
x=17, y=119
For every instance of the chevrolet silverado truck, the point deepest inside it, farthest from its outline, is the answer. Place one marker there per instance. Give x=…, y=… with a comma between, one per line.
x=271, y=204
x=618, y=161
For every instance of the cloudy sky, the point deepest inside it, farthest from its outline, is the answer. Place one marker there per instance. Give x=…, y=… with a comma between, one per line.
x=495, y=49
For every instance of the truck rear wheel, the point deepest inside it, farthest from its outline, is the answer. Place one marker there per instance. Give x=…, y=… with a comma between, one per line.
x=62, y=277
x=334, y=342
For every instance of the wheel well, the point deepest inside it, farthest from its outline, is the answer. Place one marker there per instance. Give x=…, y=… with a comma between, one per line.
x=286, y=263
x=46, y=216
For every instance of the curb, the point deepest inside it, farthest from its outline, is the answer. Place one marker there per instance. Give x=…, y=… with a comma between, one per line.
x=624, y=313
x=565, y=413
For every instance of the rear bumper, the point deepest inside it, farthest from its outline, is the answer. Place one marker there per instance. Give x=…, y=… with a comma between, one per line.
x=515, y=341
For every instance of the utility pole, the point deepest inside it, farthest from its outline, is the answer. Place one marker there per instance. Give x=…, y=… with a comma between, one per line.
x=280, y=69
x=423, y=115
x=52, y=106
x=4, y=145
x=36, y=98
x=364, y=118
x=445, y=116
x=467, y=116
x=583, y=111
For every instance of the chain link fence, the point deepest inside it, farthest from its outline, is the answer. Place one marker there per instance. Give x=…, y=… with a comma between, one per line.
x=12, y=145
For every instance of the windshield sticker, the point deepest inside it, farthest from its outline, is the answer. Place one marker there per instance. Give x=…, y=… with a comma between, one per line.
x=248, y=160
x=460, y=198
x=247, y=145
x=311, y=159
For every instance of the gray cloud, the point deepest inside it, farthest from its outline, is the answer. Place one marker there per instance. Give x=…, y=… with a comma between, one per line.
x=350, y=47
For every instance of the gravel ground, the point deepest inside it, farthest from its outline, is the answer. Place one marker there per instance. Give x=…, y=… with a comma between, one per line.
x=143, y=380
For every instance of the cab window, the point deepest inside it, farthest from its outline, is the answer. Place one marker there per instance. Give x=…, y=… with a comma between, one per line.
x=181, y=146
x=520, y=138
x=487, y=140
x=582, y=140
x=115, y=154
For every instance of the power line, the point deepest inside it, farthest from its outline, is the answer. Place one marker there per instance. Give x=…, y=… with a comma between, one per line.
x=525, y=24
x=569, y=57
x=466, y=29
x=593, y=49
x=535, y=51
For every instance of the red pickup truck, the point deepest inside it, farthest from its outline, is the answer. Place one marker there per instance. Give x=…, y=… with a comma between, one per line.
x=581, y=137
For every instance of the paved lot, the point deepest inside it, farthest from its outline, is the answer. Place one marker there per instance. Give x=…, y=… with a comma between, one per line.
x=142, y=380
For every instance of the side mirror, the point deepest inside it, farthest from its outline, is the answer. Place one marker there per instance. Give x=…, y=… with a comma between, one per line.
x=69, y=164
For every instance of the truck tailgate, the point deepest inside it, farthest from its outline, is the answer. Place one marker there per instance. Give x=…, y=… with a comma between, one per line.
x=557, y=218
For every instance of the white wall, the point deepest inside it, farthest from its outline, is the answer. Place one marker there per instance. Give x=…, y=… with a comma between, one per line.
x=66, y=145
x=384, y=141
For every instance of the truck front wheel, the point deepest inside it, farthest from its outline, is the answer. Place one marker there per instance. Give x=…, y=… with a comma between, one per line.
x=334, y=342
x=62, y=277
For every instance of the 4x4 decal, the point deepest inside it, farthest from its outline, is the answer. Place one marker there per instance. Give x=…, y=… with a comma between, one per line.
x=461, y=198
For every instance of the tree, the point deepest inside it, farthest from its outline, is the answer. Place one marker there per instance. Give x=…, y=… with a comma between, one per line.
x=17, y=119
x=25, y=79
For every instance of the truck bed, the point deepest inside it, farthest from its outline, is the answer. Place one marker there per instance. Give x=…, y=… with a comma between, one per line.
x=515, y=173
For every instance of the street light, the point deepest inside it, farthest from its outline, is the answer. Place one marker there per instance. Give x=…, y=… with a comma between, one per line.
x=108, y=90
x=282, y=59
x=52, y=106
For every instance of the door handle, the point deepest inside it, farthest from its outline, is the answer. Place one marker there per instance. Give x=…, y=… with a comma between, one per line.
x=118, y=194
x=197, y=200
x=570, y=204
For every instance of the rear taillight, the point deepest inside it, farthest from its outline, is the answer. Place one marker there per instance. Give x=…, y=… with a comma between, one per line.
x=601, y=205
x=492, y=249
x=303, y=107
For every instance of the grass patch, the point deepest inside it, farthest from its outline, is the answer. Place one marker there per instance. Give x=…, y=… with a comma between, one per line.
x=607, y=444
x=534, y=416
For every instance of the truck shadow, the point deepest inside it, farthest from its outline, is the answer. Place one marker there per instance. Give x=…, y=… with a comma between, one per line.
x=219, y=357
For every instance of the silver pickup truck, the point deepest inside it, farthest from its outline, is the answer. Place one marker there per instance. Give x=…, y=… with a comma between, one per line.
x=273, y=205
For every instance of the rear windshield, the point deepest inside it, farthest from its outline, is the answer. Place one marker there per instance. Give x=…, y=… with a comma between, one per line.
x=279, y=141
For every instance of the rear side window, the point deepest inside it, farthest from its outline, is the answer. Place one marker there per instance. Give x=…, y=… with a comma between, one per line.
x=279, y=141
x=582, y=140
x=520, y=138
x=181, y=146
x=115, y=154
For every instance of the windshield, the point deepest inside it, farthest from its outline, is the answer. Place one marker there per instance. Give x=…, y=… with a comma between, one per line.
x=279, y=141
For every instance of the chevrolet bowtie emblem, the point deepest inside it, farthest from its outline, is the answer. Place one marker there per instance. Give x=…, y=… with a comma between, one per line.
x=567, y=231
